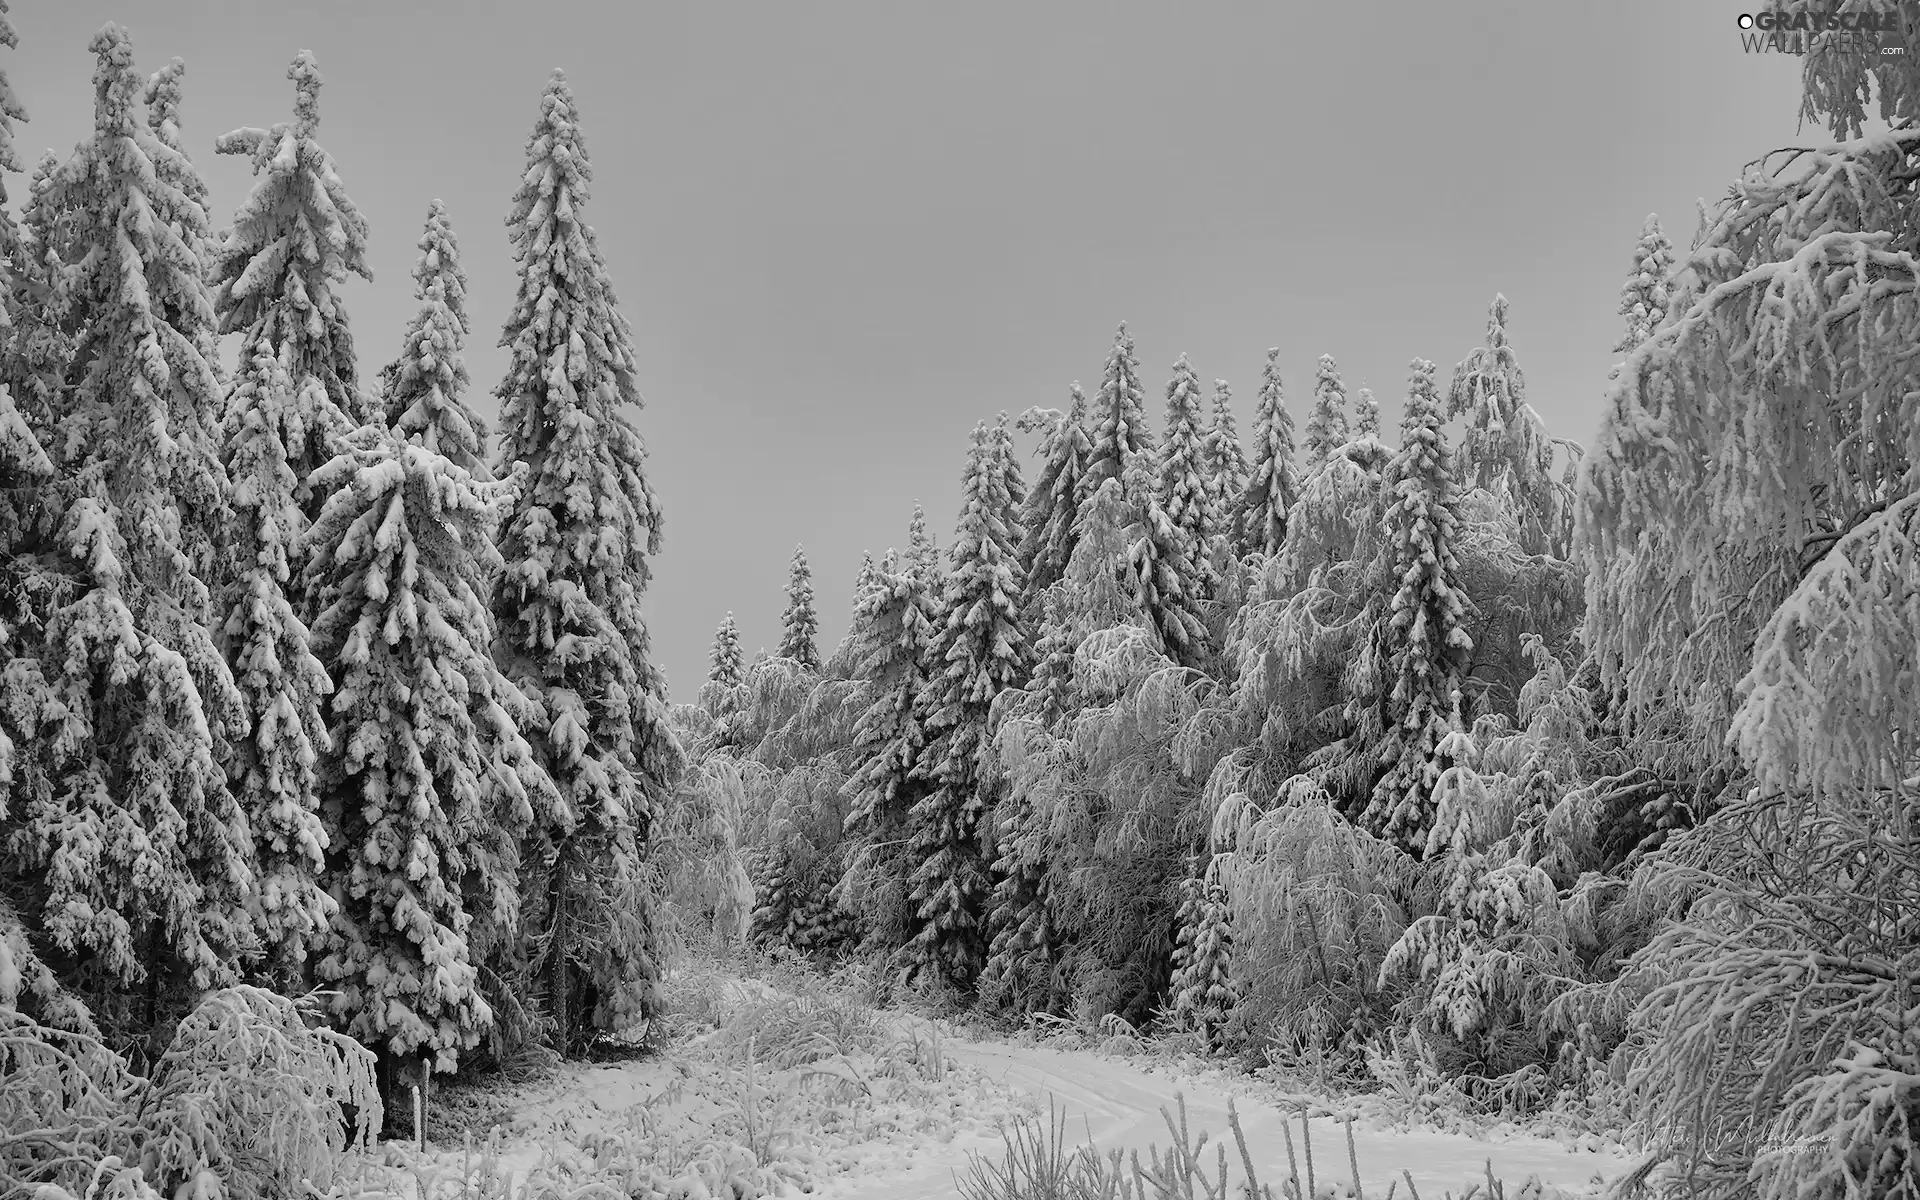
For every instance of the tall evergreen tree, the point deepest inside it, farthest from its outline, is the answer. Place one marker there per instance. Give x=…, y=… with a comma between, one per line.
x=279, y=275
x=725, y=669
x=799, y=627
x=164, y=92
x=1120, y=430
x=889, y=737
x=866, y=579
x=1161, y=571
x=1226, y=462
x=1180, y=484
x=1421, y=643
x=11, y=109
x=123, y=832
x=274, y=771
x=1366, y=411
x=978, y=652
x=1506, y=450
x=427, y=381
x=37, y=347
x=434, y=780
x=1048, y=518
x=1645, y=295
x=1327, y=424
x=1025, y=943
x=567, y=603
x=1271, y=485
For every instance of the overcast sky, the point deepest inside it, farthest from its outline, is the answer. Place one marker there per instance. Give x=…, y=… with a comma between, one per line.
x=844, y=233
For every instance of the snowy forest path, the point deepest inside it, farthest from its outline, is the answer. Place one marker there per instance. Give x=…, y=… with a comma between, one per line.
x=1119, y=1106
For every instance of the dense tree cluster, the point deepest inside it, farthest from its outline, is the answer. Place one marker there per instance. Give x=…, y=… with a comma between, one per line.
x=303, y=684
x=1479, y=759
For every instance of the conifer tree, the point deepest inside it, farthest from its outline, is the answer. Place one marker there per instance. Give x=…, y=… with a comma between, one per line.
x=37, y=347
x=1048, y=518
x=1120, y=432
x=1327, y=425
x=140, y=857
x=11, y=109
x=923, y=558
x=866, y=579
x=163, y=95
x=1226, y=463
x=1053, y=665
x=567, y=604
x=889, y=737
x=799, y=627
x=1366, y=412
x=1181, y=481
x=434, y=780
x=1421, y=643
x=1201, y=986
x=1161, y=572
x=1025, y=944
x=1271, y=484
x=427, y=381
x=274, y=771
x=1645, y=295
x=725, y=670
x=279, y=274
x=978, y=652
x=1506, y=449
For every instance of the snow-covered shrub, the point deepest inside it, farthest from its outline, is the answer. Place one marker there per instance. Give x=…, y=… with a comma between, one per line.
x=247, y=1102
x=1316, y=903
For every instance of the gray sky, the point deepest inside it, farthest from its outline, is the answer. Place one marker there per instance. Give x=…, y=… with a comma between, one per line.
x=844, y=232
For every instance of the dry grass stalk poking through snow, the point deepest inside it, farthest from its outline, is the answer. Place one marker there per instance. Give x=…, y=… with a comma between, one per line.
x=1037, y=1166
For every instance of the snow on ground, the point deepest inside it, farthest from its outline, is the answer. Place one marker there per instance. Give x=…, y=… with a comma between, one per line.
x=1119, y=1105
x=764, y=1091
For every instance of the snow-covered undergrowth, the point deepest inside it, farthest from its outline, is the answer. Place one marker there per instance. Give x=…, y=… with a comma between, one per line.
x=756, y=1087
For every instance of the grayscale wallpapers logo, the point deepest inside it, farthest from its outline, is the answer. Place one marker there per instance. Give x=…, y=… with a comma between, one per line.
x=1797, y=33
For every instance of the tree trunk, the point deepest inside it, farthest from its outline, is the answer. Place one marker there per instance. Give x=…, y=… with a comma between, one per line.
x=558, y=951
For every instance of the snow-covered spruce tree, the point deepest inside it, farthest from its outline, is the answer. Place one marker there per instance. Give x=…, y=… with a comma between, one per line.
x=163, y=94
x=1201, y=989
x=723, y=673
x=1024, y=950
x=1506, y=450
x=567, y=604
x=1227, y=470
x=1420, y=646
x=1644, y=296
x=1261, y=516
x=1048, y=519
x=1366, y=415
x=1120, y=432
x=978, y=651
x=889, y=739
x=1161, y=570
x=1327, y=425
x=133, y=855
x=11, y=109
x=274, y=768
x=1766, y=436
x=799, y=626
x=426, y=382
x=434, y=781
x=37, y=349
x=278, y=278
x=1180, y=481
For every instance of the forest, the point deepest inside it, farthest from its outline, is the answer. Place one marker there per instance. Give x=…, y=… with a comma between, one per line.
x=333, y=759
